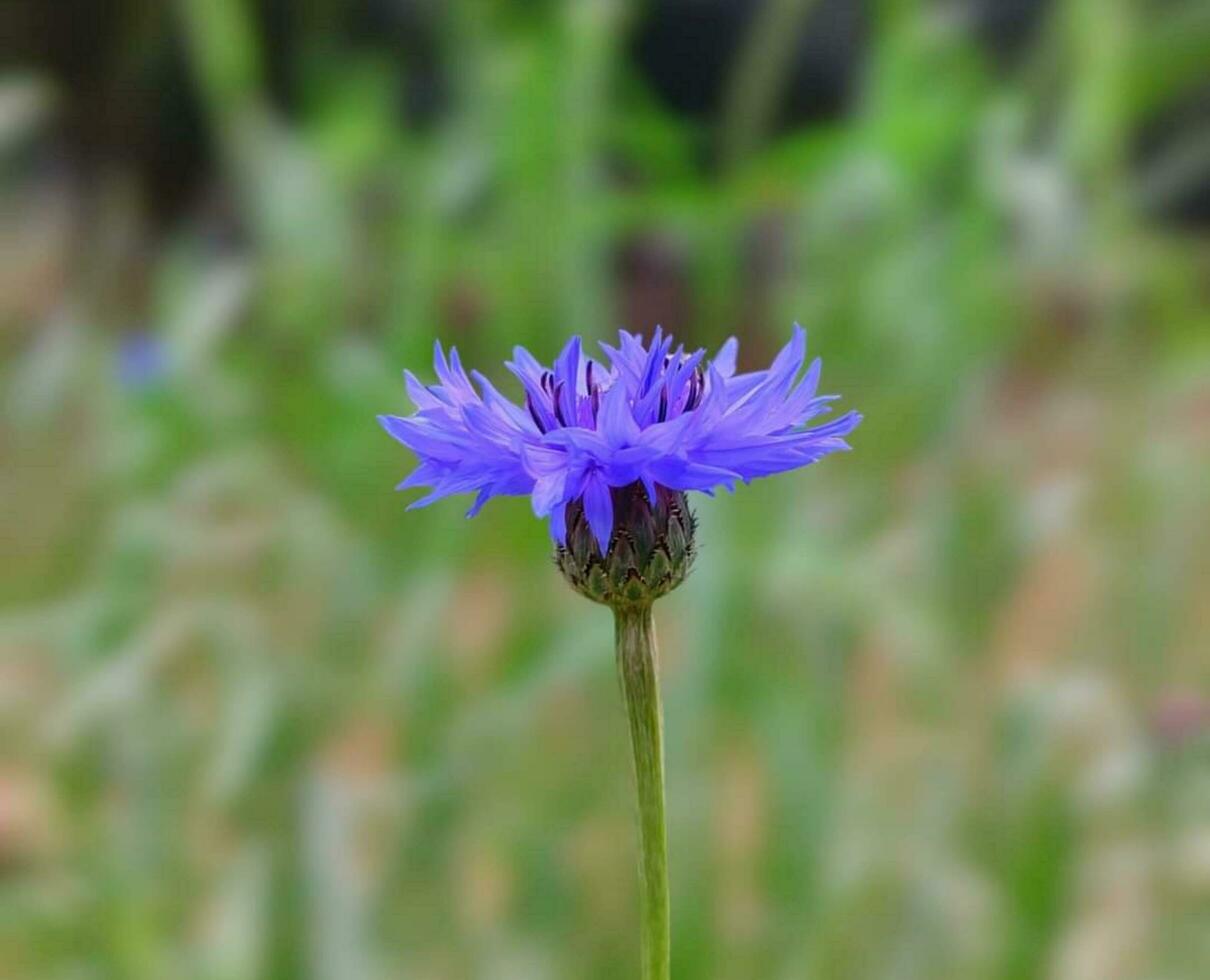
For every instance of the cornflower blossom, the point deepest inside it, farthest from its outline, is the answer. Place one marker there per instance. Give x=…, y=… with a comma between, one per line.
x=652, y=416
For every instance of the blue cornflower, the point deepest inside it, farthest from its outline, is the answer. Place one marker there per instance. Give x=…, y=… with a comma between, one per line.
x=654, y=417
x=141, y=361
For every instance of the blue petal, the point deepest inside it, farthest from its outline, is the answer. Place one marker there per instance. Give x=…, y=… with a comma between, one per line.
x=483, y=497
x=499, y=403
x=724, y=360
x=567, y=377
x=681, y=474
x=424, y=437
x=598, y=508
x=530, y=376
x=549, y=492
x=528, y=364
x=558, y=522
x=420, y=395
x=615, y=421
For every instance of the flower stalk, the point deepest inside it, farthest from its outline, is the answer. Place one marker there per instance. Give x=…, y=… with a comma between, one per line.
x=637, y=672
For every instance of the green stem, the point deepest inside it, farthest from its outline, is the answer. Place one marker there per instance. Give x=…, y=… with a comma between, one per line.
x=761, y=70
x=635, y=636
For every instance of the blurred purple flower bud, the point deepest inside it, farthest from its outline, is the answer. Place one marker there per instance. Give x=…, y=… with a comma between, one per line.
x=142, y=361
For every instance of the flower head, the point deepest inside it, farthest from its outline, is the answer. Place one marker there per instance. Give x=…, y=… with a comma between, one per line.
x=648, y=417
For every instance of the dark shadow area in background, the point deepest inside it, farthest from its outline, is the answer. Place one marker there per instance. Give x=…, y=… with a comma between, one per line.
x=128, y=99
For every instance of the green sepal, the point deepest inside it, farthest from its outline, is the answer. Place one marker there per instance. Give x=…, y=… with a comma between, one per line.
x=650, y=552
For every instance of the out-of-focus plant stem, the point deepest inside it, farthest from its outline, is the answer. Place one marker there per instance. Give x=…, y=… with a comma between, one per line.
x=636, y=649
x=760, y=70
x=224, y=54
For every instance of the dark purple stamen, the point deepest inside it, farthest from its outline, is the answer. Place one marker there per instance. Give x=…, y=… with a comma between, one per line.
x=533, y=414
x=664, y=405
x=557, y=399
x=696, y=385
x=650, y=374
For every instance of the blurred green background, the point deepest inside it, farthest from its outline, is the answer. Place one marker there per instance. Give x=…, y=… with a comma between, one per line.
x=939, y=708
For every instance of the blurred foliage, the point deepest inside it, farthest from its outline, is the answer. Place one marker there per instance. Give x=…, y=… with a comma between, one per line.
x=937, y=709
